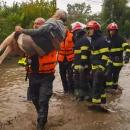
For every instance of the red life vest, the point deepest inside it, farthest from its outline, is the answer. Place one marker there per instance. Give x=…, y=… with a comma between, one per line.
x=66, y=48
x=45, y=64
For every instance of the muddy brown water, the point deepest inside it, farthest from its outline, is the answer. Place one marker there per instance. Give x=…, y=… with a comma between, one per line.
x=16, y=113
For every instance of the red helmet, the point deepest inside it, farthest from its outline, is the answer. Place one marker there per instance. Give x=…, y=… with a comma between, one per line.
x=77, y=26
x=93, y=25
x=112, y=26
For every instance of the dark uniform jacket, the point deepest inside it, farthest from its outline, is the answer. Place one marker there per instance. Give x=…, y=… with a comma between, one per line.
x=117, y=45
x=99, y=51
x=81, y=51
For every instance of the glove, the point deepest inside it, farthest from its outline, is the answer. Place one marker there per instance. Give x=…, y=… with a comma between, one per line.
x=22, y=61
x=126, y=59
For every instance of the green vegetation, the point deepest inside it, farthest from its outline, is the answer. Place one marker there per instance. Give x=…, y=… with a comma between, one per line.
x=23, y=14
x=116, y=11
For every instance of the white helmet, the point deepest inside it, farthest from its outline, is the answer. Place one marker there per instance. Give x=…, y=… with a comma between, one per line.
x=77, y=26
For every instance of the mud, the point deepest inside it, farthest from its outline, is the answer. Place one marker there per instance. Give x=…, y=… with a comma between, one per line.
x=16, y=113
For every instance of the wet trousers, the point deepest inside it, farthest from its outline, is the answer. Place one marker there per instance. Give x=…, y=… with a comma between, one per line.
x=66, y=74
x=81, y=83
x=40, y=91
x=112, y=77
x=98, y=87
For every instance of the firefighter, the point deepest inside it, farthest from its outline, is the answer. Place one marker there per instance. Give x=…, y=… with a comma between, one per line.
x=99, y=61
x=81, y=61
x=65, y=59
x=117, y=45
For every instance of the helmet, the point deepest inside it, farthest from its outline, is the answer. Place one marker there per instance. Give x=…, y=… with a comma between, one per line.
x=93, y=25
x=112, y=26
x=77, y=26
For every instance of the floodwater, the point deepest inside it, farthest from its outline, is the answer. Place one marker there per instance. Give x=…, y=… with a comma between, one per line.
x=16, y=113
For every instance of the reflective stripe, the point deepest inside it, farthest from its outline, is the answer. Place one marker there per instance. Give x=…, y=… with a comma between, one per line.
x=116, y=49
x=95, y=52
x=124, y=45
x=109, y=83
x=98, y=67
x=84, y=48
x=94, y=100
x=103, y=95
x=22, y=61
x=127, y=50
x=103, y=50
x=117, y=64
x=78, y=67
x=104, y=57
x=94, y=67
x=77, y=51
x=84, y=57
x=109, y=61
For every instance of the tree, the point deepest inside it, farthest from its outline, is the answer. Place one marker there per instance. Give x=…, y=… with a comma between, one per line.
x=23, y=14
x=78, y=12
x=116, y=11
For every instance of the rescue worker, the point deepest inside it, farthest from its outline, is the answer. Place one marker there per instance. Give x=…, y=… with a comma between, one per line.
x=99, y=61
x=65, y=59
x=40, y=72
x=81, y=62
x=41, y=76
x=117, y=45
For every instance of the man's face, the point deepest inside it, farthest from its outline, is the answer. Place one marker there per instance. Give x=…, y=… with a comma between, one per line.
x=37, y=24
x=90, y=32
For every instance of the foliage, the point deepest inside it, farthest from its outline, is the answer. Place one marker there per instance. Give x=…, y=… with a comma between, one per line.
x=78, y=12
x=116, y=11
x=23, y=14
